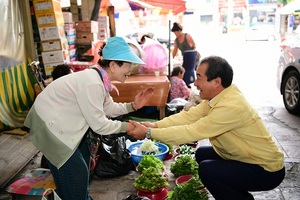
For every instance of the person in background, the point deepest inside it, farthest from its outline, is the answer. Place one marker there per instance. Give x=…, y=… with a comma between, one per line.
x=62, y=114
x=178, y=87
x=61, y=70
x=183, y=41
x=58, y=71
x=242, y=157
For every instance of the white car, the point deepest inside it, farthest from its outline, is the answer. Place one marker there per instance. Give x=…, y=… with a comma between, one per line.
x=288, y=73
x=261, y=32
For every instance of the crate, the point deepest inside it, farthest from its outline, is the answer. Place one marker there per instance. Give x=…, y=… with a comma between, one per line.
x=86, y=26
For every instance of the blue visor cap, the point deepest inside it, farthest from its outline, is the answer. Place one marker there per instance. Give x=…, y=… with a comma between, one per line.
x=117, y=49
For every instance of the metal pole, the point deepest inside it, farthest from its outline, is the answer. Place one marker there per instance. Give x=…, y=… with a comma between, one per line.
x=169, y=48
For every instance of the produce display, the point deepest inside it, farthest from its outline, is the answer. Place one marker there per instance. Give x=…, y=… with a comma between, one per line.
x=184, y=165
x=150, y=180
x=150, y=161
x=193, y=189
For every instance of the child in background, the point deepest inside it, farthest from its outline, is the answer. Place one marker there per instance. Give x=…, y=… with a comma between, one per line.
x=178, y=87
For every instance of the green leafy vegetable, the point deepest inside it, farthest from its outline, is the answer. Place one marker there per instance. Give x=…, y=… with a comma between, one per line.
x=151, y=179
x=193, y=189
x=150, y=161
x=185, y=149
x=184, y=165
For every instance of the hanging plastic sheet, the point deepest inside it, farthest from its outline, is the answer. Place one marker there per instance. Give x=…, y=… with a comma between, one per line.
x=16, y=95
x=12, y=30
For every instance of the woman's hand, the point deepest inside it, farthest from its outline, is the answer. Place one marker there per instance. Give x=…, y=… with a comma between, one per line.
x=139, y=131
x=142, y=98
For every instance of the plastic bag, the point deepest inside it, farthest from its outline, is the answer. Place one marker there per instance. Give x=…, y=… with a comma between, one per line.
x=114, y=157
x=55, y=196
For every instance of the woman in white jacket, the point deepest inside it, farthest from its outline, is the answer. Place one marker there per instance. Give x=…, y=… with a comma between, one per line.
x=63, y=112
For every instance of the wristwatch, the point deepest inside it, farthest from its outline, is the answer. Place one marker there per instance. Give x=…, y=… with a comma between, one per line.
x=148, y=133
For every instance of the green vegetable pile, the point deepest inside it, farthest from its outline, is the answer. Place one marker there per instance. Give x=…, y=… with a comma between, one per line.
x=151, y=179
x=193, y=189
x=185, y=149
x=184, y=165
x=150, y=161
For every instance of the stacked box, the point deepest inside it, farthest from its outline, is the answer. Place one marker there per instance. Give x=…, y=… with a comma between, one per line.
x=70, y=32
x=53, y=42
x=103, y=28
x=86, y=36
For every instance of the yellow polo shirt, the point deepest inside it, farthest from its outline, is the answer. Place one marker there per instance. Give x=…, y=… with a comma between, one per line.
x=234, y=128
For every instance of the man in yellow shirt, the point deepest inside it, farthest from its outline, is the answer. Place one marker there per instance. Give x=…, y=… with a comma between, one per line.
x=243, y=156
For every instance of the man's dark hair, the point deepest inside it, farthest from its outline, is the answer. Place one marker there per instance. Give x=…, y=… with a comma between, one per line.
x=60, y=70
x=218, y=67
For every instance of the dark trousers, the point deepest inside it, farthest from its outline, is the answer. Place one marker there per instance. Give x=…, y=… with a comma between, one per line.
x=232, y=180
x=72, y=179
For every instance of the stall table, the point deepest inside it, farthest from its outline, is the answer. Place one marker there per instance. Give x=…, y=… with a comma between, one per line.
x=136, y=83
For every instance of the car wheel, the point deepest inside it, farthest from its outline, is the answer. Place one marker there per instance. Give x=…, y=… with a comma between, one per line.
x=291, y=96
x=271, y=38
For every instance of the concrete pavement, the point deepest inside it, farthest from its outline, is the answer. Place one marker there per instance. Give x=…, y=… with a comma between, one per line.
x=284, y=128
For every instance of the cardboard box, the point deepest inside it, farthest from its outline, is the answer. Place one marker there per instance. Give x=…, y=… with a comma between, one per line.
x=71, y=39
x=56, y=56
x=69, y=26
x=50, y=19
x=68, y=18
x=46, y=6
x=51, y=33
x=52, y=45
x=86, y=26
x=70, y=32
x=86, y=38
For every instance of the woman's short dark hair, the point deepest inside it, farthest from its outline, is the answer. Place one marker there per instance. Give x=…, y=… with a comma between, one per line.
x=176, y=27
x=177, y=70
x=218, y=67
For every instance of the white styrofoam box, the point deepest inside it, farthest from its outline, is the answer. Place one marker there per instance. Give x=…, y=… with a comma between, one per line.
x=55, y=56
x=68, y=17
x=102, y=34
x=51, y=33
x=50, y=19
x=46, y=6
x=52, y=45
x=65, y=3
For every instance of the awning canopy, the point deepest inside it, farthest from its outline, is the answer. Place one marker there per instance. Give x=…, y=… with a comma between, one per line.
x=177, y=6
x=290, y=8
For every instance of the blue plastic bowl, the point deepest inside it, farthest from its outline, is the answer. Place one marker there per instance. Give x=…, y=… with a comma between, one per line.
x=136, y=158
